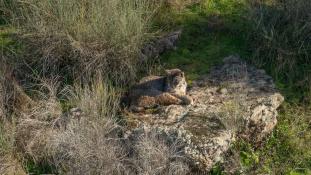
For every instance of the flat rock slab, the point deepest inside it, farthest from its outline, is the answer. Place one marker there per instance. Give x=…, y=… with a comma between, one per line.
x=235, y=99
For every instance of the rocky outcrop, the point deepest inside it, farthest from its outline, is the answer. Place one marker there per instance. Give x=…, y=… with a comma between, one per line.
x=235, y=99
x=159, y=46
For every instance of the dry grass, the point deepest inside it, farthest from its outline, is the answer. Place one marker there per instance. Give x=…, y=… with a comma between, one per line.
x=155, y=154
x=92, y=143
x=9, y=163
x=2, y=94
x=6, y=93
x=98, y=100
x=80, y=37
x=231, y=115
x=84, y=146
x=88, y=147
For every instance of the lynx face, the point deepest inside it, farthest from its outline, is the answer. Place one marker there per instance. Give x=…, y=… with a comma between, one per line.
x=176, y=82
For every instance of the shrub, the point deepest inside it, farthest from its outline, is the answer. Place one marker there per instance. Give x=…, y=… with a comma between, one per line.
x=156, y=154
x=282, y=41
x=83, y=37
x=9, y=163
x=88, y=147
x=93, y=143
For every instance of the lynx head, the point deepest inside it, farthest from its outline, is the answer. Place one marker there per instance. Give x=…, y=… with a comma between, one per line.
x=175, y=82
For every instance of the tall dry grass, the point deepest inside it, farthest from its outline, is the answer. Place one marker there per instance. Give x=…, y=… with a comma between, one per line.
x=155, y=153
x=89, y=144
x=282, y=41
x=81, y=37
x=93, y=142
x=9, y=163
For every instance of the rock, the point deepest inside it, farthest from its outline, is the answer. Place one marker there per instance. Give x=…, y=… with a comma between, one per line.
x=157, y=47
x=235, y=99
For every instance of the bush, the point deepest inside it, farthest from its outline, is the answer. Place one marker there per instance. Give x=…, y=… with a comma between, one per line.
x=83, y=37
x=93, y=143
x=156, y=154
x=282, y=41
x=9, y=163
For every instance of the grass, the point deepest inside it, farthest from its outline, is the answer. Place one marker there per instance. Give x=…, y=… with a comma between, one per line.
x=207, y=38
x=102, y=35
x=212, y=30
x=220, y=28
x=6, y=41
x=281, y=44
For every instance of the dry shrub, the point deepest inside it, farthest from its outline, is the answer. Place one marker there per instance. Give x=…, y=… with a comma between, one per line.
x=83, y=36
x=8, y=160
x=13, y=98
x=9, y=163
x=35, y=124
x=2, y=95
x=93, y=143
x=11, y=166
x=6, y=91
x=155, y=153
x=282, y=40
x=89, y=147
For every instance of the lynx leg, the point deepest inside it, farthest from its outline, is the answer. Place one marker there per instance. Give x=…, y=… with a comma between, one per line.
x=186, y=100
x=167, y=99
x=146, y=102
x=136, y=109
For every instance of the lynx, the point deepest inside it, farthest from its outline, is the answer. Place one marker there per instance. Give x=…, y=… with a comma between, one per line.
x=153, y=91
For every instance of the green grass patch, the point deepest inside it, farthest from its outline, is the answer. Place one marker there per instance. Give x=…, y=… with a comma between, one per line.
x=9, y=45
x=5, y=39
x=37, y=169
x=207, y=38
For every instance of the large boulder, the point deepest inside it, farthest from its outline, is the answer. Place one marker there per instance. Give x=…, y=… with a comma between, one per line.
x=235, y=99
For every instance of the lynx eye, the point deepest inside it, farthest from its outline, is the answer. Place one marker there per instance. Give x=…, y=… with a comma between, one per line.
x=175, y=82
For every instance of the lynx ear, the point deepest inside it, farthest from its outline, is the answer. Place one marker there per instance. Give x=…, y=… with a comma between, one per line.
x=182, y=74
x=168, y=72
x=174, y=72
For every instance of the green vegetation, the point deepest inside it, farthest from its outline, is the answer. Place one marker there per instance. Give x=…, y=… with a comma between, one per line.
x=62, y=40
x=279, y=43
x=211, y=32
